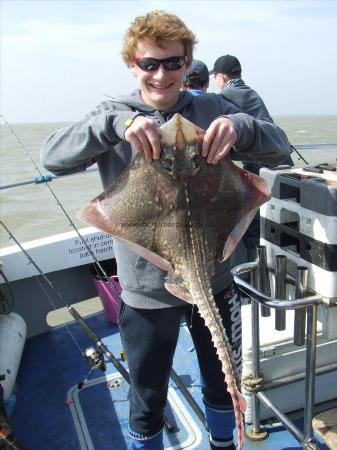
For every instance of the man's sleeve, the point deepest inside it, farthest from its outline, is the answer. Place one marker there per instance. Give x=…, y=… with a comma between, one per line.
x=259, y=141
x=75, y=147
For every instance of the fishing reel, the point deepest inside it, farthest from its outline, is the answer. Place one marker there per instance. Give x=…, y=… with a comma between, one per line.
x=95, y=359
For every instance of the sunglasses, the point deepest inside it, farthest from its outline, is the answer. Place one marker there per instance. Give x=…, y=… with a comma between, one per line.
x=152, y=64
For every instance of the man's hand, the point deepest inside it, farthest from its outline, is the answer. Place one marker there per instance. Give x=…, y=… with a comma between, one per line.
x=219, y=139
x=143, y=135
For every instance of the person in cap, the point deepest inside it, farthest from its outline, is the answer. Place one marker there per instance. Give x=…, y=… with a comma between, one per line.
x=227, y=75
x=196, y=79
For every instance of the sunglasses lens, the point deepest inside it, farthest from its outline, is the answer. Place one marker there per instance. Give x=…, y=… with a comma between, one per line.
x=174, y=63
x=152, y=64
x=148, y=64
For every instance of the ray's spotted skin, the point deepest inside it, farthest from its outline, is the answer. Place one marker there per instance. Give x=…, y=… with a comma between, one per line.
x=181, y=214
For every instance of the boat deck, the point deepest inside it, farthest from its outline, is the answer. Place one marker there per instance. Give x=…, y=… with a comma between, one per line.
x=52, y=413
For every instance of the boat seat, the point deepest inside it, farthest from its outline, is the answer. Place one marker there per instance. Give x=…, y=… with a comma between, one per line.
x=325, y=425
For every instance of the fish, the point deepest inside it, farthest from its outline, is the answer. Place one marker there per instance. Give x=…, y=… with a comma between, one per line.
x=182, y=214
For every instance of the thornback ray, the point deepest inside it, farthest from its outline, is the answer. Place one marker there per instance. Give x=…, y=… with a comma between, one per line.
x=182, y=214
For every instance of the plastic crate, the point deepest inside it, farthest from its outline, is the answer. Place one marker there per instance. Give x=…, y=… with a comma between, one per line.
x=315, y=192
x=307, y=222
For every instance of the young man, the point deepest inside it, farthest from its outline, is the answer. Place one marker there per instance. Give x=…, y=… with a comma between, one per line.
x=158, y=48
x=227, y=75
x=196, y=79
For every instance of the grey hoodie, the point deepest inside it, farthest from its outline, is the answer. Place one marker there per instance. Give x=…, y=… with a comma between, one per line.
x=99, y=138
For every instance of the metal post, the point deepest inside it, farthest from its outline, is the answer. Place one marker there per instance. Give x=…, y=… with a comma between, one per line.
x=300, y=291
x=310, y=371
x=280, y=290
x=253, y=277
x=263, y=284
x=255, y=432
x=282, y=417
x=255, y=362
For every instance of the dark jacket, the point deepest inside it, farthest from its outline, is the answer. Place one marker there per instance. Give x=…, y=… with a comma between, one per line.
x=245, y=98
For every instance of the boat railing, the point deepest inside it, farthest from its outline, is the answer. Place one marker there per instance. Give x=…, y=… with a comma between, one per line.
x=310, y=304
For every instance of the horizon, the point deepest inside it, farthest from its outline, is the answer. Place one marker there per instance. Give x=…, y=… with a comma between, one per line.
x=275, y=117
x=61, y=58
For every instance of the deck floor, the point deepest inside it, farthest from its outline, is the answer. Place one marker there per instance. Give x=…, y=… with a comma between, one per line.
x=51, y=413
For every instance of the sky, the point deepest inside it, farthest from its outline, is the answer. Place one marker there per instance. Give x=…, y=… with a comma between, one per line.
x=59, y=59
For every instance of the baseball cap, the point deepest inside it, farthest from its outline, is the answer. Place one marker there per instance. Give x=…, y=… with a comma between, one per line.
x=196, y=73
x=226, y=64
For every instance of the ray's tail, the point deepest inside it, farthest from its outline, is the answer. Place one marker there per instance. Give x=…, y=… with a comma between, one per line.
x=209, y=312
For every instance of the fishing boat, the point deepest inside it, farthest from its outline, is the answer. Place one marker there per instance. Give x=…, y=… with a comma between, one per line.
x=62, y=365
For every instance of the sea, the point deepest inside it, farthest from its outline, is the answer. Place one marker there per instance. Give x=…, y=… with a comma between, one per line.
x=33, y=211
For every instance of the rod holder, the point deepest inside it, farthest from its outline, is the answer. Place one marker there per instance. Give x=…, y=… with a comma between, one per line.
x=300, y=314
x=263, y=284
x=302, y=303
x=280, y=290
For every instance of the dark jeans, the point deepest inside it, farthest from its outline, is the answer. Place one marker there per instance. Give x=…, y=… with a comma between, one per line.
x=150, y=337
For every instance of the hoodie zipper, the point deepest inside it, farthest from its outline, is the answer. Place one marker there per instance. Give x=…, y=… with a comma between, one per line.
x=163, y=117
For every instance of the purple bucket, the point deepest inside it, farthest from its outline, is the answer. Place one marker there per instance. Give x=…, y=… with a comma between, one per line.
x=108, y=296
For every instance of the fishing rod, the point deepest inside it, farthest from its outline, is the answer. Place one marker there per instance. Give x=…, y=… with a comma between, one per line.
x=299, y=154
x=8, y=438
x=310, y=146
